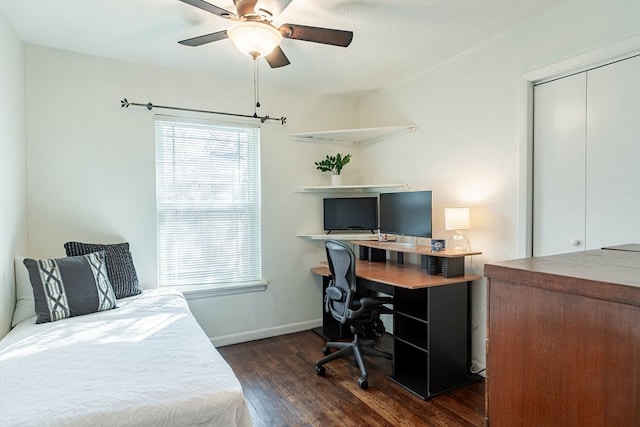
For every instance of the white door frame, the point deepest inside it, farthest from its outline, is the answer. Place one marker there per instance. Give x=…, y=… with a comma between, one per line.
x=594, y=58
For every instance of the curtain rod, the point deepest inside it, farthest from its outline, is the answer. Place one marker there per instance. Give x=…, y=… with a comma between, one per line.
x=125, y=104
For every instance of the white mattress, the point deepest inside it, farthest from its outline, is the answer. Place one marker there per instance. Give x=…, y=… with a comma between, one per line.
x=146, y=363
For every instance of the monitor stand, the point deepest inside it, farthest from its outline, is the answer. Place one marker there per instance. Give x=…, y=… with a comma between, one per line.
x=356, y=231
x=411, y=244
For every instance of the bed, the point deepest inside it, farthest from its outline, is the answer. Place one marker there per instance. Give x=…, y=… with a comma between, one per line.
x=145, y=363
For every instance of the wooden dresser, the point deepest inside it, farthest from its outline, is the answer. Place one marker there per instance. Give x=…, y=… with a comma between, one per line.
x=563, y=340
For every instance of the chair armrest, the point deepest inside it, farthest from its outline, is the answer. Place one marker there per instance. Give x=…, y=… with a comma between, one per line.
x=373, y=301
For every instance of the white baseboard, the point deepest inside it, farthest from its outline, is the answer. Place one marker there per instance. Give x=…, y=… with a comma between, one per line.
x=264, y=333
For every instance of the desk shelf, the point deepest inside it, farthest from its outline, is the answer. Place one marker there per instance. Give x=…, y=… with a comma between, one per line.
x=448, y=263
x=419, y=249
x=319, y=235
x=411, y=331
x=410, y=370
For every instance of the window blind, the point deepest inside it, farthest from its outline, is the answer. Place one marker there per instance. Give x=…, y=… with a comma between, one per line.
x=207, y=203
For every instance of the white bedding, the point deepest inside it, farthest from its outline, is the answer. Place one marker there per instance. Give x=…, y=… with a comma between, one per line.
x=146, y=363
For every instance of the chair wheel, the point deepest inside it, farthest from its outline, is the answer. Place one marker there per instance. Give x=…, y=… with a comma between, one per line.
x=320, y=370
x=363, y=383
x=326, y=350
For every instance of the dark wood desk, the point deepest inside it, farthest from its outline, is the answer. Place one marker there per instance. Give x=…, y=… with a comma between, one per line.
x=563, y=341
x=431, y=342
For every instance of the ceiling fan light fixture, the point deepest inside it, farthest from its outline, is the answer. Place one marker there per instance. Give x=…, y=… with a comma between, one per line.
x=254, y=38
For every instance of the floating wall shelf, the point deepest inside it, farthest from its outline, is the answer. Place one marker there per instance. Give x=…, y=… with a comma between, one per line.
x=353, y=136
x=375, y=188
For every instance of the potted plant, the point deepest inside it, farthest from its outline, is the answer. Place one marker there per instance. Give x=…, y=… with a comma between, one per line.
x=334, y=164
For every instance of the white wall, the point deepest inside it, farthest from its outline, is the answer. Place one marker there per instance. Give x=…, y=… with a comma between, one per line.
x=92, y=177
x=13, y=233
x=469, y=112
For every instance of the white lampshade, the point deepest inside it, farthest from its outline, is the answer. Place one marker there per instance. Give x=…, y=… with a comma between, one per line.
x=254, y=38
x=456, y=218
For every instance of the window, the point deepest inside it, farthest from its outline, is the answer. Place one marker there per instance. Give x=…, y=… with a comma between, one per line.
x=207, y=204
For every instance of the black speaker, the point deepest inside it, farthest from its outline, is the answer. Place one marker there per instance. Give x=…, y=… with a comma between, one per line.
x=364, y=253
x=377, y=255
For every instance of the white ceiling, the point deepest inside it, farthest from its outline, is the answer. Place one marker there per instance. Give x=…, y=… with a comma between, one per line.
x=392, y=39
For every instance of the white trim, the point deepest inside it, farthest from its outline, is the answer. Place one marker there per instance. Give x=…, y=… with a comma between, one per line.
x=525, y=171
x=594, y=58
x=207, y=291
x=265, y=333
x=607, y=54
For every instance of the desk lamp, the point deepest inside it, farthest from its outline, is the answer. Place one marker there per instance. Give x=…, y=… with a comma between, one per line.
x=457, y=219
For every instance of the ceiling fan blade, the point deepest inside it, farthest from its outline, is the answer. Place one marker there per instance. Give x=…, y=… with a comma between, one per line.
x=207, y=38
x=208, y=7
x=277, y=58
x=317, y=34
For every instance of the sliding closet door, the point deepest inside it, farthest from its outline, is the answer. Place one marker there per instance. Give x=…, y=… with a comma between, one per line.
x=613, y=154
x=586, y=184
x=559, y=166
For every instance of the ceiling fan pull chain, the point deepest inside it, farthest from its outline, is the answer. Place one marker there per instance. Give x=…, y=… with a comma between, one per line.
x=256, y=78
x=255, y=85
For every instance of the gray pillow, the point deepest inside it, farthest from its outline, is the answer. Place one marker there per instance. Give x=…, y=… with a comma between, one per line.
x=72, y=286
x=120, y=268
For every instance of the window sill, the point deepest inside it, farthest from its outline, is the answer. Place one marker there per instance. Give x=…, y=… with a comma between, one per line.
x=207, y=291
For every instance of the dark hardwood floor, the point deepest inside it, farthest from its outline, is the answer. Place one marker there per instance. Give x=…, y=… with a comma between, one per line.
x=282, y=389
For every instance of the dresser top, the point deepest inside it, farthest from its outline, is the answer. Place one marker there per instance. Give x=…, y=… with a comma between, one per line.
x=611, y=273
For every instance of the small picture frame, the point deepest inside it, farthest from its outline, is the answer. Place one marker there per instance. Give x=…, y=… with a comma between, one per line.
x=437, y=245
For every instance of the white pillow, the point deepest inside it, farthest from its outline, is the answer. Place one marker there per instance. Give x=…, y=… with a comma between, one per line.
x=25, y=304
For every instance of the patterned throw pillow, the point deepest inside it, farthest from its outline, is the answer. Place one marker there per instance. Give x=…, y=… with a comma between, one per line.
x=72, y=286
x=120, y=268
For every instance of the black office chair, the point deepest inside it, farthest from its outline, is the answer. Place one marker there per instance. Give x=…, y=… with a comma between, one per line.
x=346, y=306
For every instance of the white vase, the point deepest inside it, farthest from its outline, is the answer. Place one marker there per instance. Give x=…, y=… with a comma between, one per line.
x=336, y=180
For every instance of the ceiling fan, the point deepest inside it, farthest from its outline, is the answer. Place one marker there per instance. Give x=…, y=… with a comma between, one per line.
x=254, y=34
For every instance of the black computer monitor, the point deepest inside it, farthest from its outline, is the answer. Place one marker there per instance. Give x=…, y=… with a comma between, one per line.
x=406, y=213
x=350, y=213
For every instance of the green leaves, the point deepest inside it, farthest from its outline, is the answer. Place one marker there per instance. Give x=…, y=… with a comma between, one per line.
x=333, y=164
